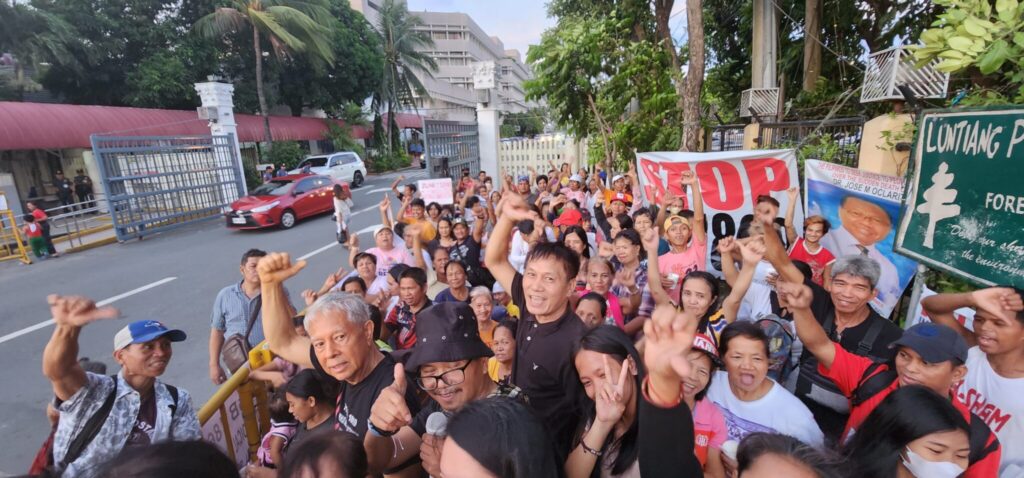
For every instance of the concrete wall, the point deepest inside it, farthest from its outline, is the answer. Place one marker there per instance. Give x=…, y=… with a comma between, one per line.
x=875, y=154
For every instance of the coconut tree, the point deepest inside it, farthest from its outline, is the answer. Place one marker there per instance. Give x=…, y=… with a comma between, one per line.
x=290, y=26
x=404, y=45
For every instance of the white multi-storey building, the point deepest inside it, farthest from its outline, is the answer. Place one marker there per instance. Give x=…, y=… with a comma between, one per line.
x=459, y=43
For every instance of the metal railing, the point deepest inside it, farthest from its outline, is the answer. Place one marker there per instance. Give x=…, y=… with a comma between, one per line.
x=74, y=222
x=236, y=417
x=724, y=137
x=838, y=138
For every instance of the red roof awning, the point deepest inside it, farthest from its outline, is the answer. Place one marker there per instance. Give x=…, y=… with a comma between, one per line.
x=407, y=120
x=57, y=126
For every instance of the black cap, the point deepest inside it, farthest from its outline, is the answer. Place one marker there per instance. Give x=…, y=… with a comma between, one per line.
x=446, y=332
x=935, y=343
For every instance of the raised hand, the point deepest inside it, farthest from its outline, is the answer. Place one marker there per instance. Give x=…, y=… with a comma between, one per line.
x=649, y=239
x=277, y=267
x=333, y=279
x=609, y=400
x=793, y=193
x=688, y=178
x=390, y=412
x=752, y=252
x=77, y=311
x=626, y=279
x=726, y=246
x=353, y=241
x=998, y=301
x=515, y=208
x=793, y=295
x=309, y=296
x=668, y=337
x=386, y=203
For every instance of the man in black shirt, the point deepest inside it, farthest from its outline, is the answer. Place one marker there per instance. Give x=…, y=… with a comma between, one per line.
x=83, y=188
x=449, y=363
x=845, y=313
x=340, y=345
x=64, y=189
x=548, y=329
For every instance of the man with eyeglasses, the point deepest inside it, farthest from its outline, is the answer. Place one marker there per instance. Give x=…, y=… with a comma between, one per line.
x=449, y=363
x=863, y=225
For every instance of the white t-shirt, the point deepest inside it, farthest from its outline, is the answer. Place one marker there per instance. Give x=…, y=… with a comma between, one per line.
x=517, y=252
x=757, y=302
x=777, y=412
x=997, y=400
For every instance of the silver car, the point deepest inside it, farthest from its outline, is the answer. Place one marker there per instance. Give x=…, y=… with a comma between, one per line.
x=343, y=165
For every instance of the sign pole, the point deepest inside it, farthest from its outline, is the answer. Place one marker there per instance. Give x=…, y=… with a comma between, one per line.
x=915, y=294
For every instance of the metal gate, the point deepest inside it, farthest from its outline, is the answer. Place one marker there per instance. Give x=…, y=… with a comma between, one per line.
x=451, y=146
x=840, y=135
x=156, y=183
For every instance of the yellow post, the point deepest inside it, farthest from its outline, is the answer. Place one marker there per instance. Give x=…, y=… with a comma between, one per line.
x=750, y=134
x=11, y=234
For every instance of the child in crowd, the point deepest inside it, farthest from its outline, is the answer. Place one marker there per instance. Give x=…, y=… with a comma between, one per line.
x=282, y=429
x=34, y=233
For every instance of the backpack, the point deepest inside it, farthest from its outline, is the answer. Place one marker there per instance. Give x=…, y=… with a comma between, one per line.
x=780, y=334
x=822, y=390
x=873, y=381
x=93, y=425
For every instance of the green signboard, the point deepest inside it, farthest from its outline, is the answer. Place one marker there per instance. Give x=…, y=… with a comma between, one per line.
x=963, y=210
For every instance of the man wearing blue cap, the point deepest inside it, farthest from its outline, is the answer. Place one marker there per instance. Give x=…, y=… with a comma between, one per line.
x=100, y=415
x=928, y=355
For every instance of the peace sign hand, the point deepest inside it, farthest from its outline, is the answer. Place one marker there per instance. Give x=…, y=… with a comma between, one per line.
x=610, y=399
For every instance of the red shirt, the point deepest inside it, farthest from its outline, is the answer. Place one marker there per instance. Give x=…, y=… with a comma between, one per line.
x=39, y=214
x=33, y=230
x=848, y=370
x=817, y=260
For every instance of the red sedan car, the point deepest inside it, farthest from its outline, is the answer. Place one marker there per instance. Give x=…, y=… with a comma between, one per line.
x=283, y=201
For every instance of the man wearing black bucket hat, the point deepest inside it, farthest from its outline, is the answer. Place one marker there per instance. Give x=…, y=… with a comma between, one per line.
x=449, y=363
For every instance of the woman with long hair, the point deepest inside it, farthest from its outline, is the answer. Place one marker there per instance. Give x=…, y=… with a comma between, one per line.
x=445, y=235
x=635, y=422
x=310, y=404
x=914, y=432
x=575, y=238
x=631, y=269
x=699, y=292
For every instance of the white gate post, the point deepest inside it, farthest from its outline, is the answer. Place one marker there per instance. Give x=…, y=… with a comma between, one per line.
x=488, y=119
x=217, y=100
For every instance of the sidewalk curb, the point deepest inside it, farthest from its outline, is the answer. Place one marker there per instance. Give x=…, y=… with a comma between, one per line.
x=91, y=245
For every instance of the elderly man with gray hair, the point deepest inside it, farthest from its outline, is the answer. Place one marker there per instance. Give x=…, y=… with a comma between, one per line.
x=845, y=312
x=340, y=345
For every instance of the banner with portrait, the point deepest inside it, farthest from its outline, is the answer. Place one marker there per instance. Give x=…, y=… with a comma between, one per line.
x=862, y=208
x=730, y=182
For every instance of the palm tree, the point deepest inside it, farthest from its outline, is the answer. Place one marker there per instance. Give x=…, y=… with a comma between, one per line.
x=289, y=25
x=35, y=36
x=404, y=45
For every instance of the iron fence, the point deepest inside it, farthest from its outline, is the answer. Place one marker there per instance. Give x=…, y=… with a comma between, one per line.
x=450, y=146
x=154, y=183
x=838, y=139
x=724, y=137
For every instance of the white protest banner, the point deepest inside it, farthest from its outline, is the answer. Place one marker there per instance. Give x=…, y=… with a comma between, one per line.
x=862, y=208
x=730, y=182
x=963, y=315
x=436, y=190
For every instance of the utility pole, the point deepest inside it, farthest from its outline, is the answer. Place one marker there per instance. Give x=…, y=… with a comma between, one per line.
x=765, y=51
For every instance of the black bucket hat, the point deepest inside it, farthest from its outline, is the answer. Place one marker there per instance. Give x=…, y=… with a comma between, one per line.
x=446, y=332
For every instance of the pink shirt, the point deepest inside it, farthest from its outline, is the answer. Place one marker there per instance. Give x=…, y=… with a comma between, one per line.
x=614, y=315
x=387, y=259
x=708, y=429
x=694, y=258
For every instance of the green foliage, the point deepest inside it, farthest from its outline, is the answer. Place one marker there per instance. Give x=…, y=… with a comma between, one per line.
x=979, y=37
x=381, y=161
x=529, y=123
x=944, y=282
x=341, y=135
x=288, y=153
x=148, y=85
x=603, y=76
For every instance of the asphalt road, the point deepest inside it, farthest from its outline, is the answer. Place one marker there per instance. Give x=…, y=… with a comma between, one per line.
x=173, y=277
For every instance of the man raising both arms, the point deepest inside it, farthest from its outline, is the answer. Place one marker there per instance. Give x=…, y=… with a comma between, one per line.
x=994, y=383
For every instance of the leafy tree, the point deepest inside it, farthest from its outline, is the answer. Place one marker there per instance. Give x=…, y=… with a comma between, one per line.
x=403, y=45
x=34, y=36
x=528, y=123
x=305, y=84
x=288, y=25
x=988, y=43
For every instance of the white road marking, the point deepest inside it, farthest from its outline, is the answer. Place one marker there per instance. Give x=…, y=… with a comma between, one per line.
x=311, y=254
x=47, y=323
x=367, y=230
x=368, y=191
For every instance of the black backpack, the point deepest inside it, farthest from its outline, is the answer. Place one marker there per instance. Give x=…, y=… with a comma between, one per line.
x=810, y=380
x=96, y=421
x=875, y=379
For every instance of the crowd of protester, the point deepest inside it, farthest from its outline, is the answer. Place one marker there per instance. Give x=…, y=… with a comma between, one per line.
x=553, y=327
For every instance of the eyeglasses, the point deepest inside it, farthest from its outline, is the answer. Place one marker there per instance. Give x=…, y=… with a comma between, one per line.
x=452, y=377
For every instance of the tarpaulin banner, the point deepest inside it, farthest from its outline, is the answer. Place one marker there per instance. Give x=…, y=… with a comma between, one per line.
x=862, y=208
x=730, y=182
x=964, y=315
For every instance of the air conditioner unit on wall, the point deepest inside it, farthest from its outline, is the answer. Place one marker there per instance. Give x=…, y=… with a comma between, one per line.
x=888, y=69
x=763, y=102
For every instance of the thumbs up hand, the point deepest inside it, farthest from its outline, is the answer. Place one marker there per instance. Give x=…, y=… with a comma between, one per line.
x=390, y=412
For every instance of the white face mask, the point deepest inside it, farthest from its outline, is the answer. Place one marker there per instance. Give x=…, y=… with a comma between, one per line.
x=922, y=468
